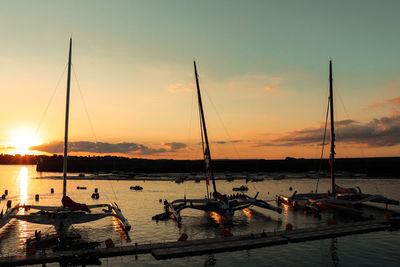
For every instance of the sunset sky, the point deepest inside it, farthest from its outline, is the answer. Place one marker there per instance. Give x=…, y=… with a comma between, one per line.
x=263, y=69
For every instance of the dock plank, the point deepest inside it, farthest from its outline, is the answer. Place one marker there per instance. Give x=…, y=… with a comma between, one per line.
x=203, y=246
x=200, y=249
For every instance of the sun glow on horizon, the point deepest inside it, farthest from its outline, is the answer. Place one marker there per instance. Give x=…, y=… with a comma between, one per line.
x=22, y=139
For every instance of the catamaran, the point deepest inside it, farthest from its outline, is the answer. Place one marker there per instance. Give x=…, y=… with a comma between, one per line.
x=214, y=201
x=70, y=212
x=339, y=198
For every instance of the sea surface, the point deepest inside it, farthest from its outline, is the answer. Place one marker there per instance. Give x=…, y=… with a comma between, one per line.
x=373, y=249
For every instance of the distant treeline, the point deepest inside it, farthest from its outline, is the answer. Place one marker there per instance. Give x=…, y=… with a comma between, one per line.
x=18, y=159
x=381, y=167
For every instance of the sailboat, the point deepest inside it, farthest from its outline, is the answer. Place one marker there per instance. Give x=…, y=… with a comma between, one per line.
x=214, y=201
x=71, y=212
x=338, y=198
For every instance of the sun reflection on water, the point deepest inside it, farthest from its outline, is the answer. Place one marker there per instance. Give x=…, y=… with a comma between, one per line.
x=23, y=185
x=285, y=212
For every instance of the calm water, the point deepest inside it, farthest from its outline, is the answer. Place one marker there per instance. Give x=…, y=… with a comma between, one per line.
x=374, y=249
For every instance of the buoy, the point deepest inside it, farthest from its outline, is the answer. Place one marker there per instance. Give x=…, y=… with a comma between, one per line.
x=183, y=237
x=52, y=190
x=37, y=197
x=331, y=221
x=290, y=188
x=160, y=200
x=6, y=192
x=289, y=227
x=109, y=243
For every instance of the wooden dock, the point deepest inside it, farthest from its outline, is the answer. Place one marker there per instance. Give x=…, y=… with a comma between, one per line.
x=202, y=246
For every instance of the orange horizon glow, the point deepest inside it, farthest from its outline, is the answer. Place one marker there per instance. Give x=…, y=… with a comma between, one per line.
x=21, y=140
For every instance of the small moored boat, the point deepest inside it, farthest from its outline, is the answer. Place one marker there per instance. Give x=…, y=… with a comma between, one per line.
x=241, y=188
x=136, y=187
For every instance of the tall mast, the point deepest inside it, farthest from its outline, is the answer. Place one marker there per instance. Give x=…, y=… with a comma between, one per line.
x=66, y=122
x=332, y=130
x=206, y=147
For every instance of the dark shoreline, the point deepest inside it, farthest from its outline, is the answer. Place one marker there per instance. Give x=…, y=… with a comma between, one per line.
x=371, y=167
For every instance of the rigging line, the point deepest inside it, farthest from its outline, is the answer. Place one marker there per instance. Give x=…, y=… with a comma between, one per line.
x=223, y=125
x=204, y=153
x=351, y=126
x=326, y=96
x=347, y=115
x=91, y=125
x=49, y=102
x=190, y=119
x=84, y=105
x=205, y=157
x=323, y=146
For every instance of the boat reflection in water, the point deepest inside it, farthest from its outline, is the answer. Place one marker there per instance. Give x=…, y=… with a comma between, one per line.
x=120, y=229
x=217, y=218
x=248, y=214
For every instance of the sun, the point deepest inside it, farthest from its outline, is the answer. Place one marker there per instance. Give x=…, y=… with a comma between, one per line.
x=22, y=139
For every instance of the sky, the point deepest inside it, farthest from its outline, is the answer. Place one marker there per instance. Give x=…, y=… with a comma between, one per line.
x=263, y=70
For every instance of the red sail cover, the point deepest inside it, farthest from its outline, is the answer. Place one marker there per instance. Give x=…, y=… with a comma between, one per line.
x=68, y=202
x=344, y=190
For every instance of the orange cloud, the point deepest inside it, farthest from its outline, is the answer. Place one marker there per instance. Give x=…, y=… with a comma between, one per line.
x=269, y=88
x=393, y=101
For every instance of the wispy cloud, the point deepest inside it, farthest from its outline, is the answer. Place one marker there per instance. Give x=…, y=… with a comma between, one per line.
x=181, y=87
x=388, y=102
x=256, y=82
x=174, y=146
x=395, y=101
x=376, y=133
x=221, y=142
x=101, y=147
